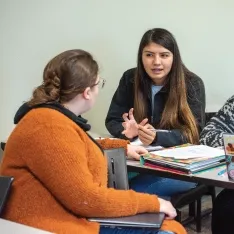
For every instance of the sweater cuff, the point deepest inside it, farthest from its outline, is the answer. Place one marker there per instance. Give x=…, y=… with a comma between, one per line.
x=148, y=203
x=173, y=226
x=108, y=143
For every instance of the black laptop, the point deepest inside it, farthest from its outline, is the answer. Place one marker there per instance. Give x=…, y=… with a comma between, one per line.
x=145, y=220
x=5, y=185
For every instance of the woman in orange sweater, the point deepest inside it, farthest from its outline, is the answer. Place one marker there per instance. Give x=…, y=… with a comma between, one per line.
x=60, y=171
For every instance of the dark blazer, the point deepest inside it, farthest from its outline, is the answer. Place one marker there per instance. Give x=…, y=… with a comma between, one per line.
x=123, y=100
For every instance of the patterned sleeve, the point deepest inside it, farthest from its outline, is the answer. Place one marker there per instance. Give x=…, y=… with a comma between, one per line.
x=222, y=122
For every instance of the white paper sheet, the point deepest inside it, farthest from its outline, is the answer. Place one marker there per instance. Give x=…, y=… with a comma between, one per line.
x=194, y=151
x=147, y=147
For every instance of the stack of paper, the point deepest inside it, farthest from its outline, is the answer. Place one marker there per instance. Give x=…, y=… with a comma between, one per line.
x=189, y=159
x=190, y=151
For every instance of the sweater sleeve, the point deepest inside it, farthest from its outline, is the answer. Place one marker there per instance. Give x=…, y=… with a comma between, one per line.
x=197, y=99
x=60, y=162
x=108, y=143
x=173, y=226
x=221, y=123
x=169, y=138
x=121, y=103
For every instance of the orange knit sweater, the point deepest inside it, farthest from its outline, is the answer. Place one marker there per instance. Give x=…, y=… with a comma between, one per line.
x=61, y=178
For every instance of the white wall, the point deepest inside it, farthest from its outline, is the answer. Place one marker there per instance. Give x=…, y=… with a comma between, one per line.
x=33, y=31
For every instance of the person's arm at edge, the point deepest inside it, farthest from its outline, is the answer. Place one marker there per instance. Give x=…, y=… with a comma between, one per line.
x=212, y=134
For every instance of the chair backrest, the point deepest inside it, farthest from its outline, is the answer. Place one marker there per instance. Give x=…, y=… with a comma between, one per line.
x=1, y=150
x=117, y=168
x=3, y=145
x=5, y=185
x=1, y=156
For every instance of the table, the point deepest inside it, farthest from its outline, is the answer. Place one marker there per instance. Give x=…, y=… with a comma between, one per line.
x=12, y=228
x=209, y=177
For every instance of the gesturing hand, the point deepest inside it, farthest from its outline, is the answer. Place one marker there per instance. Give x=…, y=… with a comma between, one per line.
x=146, y=134
x=130, y=125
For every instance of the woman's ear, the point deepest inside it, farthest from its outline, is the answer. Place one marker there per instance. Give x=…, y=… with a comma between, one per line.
x=86, y=93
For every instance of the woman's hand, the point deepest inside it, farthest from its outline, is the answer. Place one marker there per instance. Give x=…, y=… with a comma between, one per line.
x=146, y=134
x=167, y=208
x=135, y=152
x=130, y=125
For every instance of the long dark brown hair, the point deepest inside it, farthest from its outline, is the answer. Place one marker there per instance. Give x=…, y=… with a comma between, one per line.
x=65, y=76
x=177, y=113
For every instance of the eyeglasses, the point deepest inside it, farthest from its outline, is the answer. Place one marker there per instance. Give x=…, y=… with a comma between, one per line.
x=100, y=83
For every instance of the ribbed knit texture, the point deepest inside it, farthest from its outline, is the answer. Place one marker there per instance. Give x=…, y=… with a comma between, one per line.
x=61, y=176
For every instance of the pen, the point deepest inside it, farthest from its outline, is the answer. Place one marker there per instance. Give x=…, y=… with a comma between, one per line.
x=157, y=130
x=222, y=172
x=152, y=129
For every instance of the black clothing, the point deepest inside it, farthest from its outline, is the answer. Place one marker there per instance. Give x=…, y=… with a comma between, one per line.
x=123, y=100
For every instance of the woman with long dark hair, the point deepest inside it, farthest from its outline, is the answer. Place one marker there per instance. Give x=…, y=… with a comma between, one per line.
x=160, y=101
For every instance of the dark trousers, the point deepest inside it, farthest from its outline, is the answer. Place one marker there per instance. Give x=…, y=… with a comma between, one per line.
x=108, y=230
x=223, y=213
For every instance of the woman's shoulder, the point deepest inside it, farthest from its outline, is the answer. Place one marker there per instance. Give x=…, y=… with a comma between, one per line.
x=43, y=123
x=41, y=117
x=230, y=101
x=129, y=75
x=44, y=113
x=193, y=80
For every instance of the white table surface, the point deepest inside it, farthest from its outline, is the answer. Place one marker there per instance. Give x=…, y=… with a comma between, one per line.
x=8, y=227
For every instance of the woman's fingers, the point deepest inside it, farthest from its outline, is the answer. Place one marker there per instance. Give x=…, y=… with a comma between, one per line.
x=130, y=114
x=144, y=140
x=145, y=132
x=135, y=151
x=141, y=150
x=125, y=117
x=146, y=135
x=143, y=122
x=148, y=126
